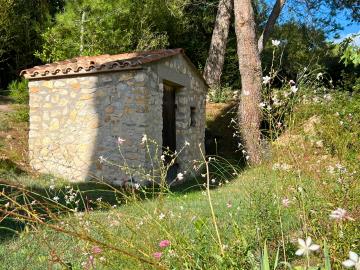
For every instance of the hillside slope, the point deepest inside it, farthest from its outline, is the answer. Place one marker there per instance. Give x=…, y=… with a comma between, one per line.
x=313, y=172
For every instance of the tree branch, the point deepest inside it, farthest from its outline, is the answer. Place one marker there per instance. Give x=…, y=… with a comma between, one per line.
x=279, y=4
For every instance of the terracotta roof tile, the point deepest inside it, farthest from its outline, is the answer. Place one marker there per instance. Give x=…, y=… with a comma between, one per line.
x=100, y=63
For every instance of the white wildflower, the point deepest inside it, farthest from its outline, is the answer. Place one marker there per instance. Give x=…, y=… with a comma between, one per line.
x=306, y=247
x=162, y=157
x=120, y=140
x=262, y=104
x=353, y=261
x=56, y=198
x=102, y=159
x=144, y=139
x=180, y=176
x=187, y=143
x=52, y=187
x=294, y=89
x=319, y=76
x=275, y=42
x=266, y=79
x=137, y=185
x=161, y=216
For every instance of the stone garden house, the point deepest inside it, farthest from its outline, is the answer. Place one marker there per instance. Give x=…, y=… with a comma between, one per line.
x=79, y=109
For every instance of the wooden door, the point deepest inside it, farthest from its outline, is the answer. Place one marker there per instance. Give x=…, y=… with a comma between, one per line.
x=169, y=119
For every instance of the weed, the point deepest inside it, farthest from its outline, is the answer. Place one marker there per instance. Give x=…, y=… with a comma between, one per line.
x=19, y=91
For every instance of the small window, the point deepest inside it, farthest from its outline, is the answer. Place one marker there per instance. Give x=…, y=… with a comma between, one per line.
x=192, y=116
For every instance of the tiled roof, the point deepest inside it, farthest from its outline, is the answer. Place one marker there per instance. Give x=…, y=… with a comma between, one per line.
x=100, y=63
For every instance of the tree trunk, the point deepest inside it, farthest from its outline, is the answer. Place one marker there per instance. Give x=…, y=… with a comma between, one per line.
x=279, y=4
x=249, y=113
x=82, y=30
x=215, y=61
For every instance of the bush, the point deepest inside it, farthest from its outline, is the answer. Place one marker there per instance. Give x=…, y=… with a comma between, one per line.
x=19, y=91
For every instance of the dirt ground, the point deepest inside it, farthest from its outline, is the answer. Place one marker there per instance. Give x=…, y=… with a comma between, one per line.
x=13, y=138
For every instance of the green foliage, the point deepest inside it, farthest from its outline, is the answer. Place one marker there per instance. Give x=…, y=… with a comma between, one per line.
x=21, y=25
x=300, y=46
x=244, y=221
x=351, y=55
x=19, y=92
x=21, y=114
x=265, y=261
x=99, y=27
x=327, y=256
x=219, y=94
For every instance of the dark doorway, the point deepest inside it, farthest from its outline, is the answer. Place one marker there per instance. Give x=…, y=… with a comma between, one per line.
x=169, y=122
x=169, y=128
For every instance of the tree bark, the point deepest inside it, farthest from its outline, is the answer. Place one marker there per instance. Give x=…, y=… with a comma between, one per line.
x=279, y=4
x=249, y=113
x=215, y=61
x=82, y=30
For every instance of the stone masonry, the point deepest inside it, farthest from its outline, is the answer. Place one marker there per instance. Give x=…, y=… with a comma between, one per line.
x=76, y=119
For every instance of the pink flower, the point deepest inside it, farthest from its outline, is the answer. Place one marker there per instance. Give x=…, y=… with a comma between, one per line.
x=157, y=255
x=285, y=202
x=89, y=264
x=120, y=140
x=164, y=243
x=96, y=250
x=340, y=214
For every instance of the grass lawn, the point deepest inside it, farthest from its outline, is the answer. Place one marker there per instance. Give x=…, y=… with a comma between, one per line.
x=248, y=211
x=313, y=170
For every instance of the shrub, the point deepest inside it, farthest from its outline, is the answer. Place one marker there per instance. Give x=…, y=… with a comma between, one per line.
x=19, y=91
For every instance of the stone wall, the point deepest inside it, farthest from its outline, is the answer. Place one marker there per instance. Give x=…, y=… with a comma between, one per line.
x=76, y=120
x=190, y=92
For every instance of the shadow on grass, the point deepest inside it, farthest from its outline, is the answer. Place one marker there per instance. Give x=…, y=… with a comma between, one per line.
x=51, y=201
x=220, y=130
x=220, y=143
